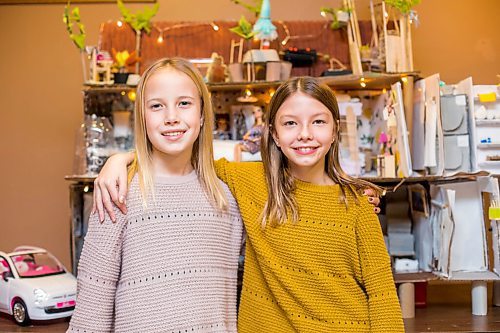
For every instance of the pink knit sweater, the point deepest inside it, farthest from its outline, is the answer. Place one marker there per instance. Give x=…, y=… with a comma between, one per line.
x=170, y=269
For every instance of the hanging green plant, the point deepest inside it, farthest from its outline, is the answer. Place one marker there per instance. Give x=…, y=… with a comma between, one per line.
x=70, y=19
x=140, y=20
x=404, y=6
x=255, y=8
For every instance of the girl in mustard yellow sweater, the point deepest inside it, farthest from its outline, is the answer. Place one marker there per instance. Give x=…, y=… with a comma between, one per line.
x=315, y=257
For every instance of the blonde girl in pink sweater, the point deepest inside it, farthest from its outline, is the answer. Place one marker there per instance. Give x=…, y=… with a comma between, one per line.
x=171, y=263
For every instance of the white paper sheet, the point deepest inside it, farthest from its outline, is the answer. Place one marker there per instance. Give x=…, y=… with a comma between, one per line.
x=418, y=131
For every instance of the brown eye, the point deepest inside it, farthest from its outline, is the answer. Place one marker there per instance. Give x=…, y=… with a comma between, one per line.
x=185, y=103
x=155, y=106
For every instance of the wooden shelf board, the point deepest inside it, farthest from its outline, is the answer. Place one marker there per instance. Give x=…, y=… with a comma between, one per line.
x=458, y=177
x=488, y=145
x=494, y=122
x=414, y=277
x=80, y=178
x=374, y=81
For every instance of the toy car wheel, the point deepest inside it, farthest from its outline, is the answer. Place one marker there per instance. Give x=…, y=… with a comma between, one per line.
x=20, y=313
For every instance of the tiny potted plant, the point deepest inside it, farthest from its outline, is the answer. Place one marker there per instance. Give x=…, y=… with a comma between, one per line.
x=139, y=21
x=340, y=16
x=403, y=6
x=244, y=29
x=123, y=59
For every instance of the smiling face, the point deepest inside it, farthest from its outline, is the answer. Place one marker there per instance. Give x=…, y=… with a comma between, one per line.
x=172, y=111
x=303, y=129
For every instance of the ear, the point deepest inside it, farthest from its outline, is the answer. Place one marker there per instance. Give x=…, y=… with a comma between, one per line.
x=275, y=137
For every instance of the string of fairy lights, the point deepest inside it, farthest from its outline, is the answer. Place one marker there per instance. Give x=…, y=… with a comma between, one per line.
x=163, y=31
x=288, y=36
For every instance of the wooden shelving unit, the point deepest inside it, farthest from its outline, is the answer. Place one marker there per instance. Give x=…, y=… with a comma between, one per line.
x=373, y=81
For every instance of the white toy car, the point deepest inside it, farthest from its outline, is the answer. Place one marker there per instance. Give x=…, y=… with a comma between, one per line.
x=35, y=285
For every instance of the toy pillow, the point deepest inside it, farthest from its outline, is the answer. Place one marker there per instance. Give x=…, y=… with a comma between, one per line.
x=21, y=267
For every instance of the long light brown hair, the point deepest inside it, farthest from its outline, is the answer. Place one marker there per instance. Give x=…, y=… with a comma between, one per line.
x=281, y=204
x=202, y=154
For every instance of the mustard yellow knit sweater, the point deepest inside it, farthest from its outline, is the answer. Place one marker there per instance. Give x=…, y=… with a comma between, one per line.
x=330, y=272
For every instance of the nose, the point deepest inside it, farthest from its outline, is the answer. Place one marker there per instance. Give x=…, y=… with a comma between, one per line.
x=171, y=117
x=305, y=134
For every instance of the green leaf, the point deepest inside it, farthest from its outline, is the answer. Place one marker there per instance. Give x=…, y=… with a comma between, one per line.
x=243, y=29
x=404, y=6
x=70, y=19
x=76, y=13
x=140, y=20
x=79, y=40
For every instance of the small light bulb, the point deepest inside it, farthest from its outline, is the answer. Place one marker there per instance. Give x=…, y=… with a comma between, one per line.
x=119, y=24
x=384, y=91
x=215, y=26
x=131, y=95
x=86, y=189
x=404, y=79
x=363, y=84
x=122, y=93
x=271, y=92
x=160, y=39
x=248, y=92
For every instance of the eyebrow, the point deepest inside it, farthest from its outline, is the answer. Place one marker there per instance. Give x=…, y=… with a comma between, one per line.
x=312, y=116
x=320, y=113
x=160, y=98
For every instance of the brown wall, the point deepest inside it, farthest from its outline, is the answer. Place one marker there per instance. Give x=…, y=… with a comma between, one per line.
x=41, y=107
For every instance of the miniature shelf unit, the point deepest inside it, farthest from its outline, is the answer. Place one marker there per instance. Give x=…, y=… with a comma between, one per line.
x=487, y=125
x=425, y=202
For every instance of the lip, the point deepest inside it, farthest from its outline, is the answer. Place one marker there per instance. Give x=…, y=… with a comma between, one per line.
x=173, y=135
x=305, y=150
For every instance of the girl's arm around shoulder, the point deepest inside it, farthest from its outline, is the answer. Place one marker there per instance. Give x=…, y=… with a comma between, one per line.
x=235, y=219
x=377, y=279
x=239, y=174
x=233, y=209
x=98, y=274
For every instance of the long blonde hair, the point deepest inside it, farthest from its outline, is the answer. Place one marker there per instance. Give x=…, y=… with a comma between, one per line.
x=202, y=154
x=281, y=204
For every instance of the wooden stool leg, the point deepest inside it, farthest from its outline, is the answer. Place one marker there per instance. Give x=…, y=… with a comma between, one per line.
x=406, y=293
x=496, y=293
x=479, y=298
